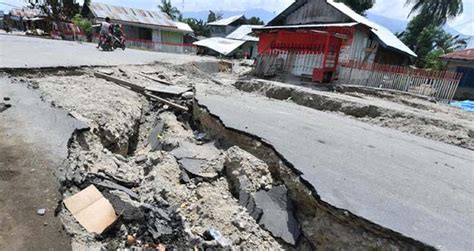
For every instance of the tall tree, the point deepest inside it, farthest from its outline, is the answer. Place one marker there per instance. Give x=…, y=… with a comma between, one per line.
x=424, y=33
x=214, y=16
x=439, y=11
x=168, y=8
x=58, y=10
x=255, y=21
x=359, y=6
x=199, y=26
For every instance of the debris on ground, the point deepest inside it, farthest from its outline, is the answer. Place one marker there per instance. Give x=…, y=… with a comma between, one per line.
x=144, y=170
x=91, y=209
x=3, y=107
x=41, y=211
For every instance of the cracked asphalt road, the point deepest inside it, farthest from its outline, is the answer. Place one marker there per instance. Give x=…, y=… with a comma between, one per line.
x=417, y=187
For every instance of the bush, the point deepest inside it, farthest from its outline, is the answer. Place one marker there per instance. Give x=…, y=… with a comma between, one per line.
x=84, y=24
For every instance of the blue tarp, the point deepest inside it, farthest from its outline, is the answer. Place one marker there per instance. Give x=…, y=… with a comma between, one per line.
x=467, y=105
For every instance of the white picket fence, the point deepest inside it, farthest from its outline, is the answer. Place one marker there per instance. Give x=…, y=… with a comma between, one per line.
x=440, y=85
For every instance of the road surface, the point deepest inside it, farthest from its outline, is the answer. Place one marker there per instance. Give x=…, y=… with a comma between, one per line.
x=417, y=187
x=33, y=146
x=29, y=52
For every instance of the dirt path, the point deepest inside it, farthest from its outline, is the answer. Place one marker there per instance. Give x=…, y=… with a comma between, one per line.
x=31, y=150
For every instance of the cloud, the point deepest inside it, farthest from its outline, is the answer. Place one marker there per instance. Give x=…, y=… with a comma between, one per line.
x=231, y=5
x=388, y=8
x=399, y=10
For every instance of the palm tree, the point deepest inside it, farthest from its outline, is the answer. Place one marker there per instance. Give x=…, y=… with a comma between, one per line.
x=439, y=11
x=168, y=8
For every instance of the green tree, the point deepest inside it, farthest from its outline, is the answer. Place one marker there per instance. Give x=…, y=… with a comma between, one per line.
x=359, y=6
x=169, y=9
x=214, y=16
x=424, y=33
x=438, y=11
x=84, y=24
x=199, y=26
x=432, y=42
x=58, y=10
x=255, y=21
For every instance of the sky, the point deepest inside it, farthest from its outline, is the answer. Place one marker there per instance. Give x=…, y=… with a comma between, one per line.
x=388, y=8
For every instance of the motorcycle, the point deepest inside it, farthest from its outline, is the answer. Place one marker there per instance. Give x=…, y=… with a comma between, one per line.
x=115, y=39
x=118, y=37
x=106, y=42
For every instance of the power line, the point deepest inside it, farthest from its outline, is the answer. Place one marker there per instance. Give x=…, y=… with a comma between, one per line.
x=11, y=5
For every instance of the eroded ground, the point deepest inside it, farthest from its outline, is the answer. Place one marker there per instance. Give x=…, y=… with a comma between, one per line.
x=177, y=186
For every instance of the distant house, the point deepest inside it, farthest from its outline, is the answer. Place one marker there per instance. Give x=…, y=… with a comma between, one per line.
x=366, y=41
x=147, y=29
x=463, y=62
x=242, y=42
x=223, y=27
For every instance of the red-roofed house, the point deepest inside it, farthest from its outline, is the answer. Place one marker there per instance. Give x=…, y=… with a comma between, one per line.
x=462, y=61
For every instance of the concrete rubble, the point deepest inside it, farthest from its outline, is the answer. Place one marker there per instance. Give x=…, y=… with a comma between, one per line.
x=173, y=184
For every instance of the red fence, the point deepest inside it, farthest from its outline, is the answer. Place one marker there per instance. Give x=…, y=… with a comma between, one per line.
x=301, y=53
x=440, y=85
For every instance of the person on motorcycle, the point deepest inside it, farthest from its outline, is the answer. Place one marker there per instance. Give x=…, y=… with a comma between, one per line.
x=104, y=30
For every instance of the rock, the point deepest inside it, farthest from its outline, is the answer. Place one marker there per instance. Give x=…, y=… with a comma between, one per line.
x=4, y=107
x=103, y=183
x=106, y=72
x=194, y=167
x=155, y=157
x=41, y=211
x=239, y=224
x=155, y=136
x=126, y=175
x=131, y=240
x=471, y=133
x=201, y=136
x=184, y=177
x=187, y=95
x=160, y=201
x=161, y=76
x=214, y=234
x=242, y=166
x=124, y=207
x=275, y=205
x=141, y=159
x=120, y=158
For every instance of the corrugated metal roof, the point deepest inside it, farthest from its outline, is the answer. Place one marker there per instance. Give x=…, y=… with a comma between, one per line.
x=184, y=27
x=385, y=35
x=467, y=55
x=243, y=33
x=26, y=12
x=132, y=15
x=224, y=46
x=226, y=21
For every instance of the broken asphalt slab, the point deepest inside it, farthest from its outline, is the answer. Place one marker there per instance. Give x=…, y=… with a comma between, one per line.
x=274, y=205
x=395, y=180
x=166, y=89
